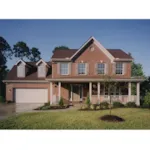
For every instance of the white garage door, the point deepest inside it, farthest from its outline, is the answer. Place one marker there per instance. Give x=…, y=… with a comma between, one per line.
x=31, y=95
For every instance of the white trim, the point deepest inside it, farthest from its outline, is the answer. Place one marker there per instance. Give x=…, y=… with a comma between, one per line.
x=25, y=81
x=85, y=68
x=105, y=71
x=120, y=59
x=81, y=47
x=20, y=61
x=41, y=60
x=59, y=90
x=71, y=94
x=105, y=51
x=129, y=91
x=122, y=68
x=60, y=59
x=60, y=68
x=90, y=91
x=94, y=80
x=51, y=93
x=98, y=91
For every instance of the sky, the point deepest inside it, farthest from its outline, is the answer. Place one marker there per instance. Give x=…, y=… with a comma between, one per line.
x=129, y=35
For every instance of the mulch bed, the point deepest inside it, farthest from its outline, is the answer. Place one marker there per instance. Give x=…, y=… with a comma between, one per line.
x=112, y=118
x=53, y=107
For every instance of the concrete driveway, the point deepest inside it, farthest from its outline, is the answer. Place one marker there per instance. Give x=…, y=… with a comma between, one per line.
x=7, y=110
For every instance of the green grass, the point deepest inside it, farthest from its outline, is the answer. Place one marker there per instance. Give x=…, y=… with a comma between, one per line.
x=135, y=118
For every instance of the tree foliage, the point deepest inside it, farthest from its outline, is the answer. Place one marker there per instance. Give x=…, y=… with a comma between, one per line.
x=110, y=85
x=146, y=103
x=63, y=47
x=137, y=69
x=5, y=51
x=21, y=50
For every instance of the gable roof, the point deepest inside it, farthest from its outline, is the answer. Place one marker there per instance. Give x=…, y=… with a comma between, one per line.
x=41, y=60
x=68, y=54
x=63, y=53
x=116, y=53
x=92, y=39
x=31, y=73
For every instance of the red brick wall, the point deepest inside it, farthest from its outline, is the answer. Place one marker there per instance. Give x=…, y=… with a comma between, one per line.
x=92, y=57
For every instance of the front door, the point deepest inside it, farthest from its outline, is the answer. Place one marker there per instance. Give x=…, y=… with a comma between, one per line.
x=77, y=93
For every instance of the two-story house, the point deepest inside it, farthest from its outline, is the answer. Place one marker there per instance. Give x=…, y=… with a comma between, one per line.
x=73, y=75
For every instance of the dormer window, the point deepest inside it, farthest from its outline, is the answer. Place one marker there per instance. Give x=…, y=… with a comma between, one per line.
x=41, y=67
x=21, y=69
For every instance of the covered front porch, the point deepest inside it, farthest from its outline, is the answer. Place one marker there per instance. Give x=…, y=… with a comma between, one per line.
x=75, y=92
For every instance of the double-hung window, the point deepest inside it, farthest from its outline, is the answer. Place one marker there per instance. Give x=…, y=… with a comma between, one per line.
x=81, y=68
x=101, y=68
x=64, y=69
x=119, y=68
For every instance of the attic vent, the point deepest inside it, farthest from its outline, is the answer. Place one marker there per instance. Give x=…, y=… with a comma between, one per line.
x=91, y=48
x=67, y=58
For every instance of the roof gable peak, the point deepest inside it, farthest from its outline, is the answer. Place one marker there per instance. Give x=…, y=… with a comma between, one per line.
x=98, y=44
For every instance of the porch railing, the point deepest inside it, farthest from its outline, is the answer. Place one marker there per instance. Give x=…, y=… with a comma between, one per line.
x=120, y=98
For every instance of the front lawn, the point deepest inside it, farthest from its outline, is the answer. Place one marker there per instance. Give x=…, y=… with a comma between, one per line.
x=135, y=118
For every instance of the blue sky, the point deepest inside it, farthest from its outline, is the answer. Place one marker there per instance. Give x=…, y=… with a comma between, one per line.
x=130, y=35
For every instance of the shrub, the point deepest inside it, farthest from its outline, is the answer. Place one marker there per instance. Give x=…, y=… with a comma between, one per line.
x=146, y=103
x=131, y=104
x=47, y=104
x=92, y=107
x=2, y=100
x=83, y=107
x=88, y=101
x=98, y=107
x=45, y=107
x=61, y=102
x=117, y=105
x=104, y=105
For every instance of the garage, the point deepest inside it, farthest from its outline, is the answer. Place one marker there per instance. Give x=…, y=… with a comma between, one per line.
x=30, y=95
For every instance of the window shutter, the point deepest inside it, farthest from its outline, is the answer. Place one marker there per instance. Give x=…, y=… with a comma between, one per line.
x=69, y=67
x=106, y=68
x=87, y=68
x=58, y=68
x=96, y=68
x=114, y=68
x=76, y=68
x=124, y=68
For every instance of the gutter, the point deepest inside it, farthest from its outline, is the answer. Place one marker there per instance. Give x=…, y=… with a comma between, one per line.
x=96, y=80
x=25, y=81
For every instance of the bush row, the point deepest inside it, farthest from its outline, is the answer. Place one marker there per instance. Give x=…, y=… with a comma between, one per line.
x=106, y=105
x=2, y=99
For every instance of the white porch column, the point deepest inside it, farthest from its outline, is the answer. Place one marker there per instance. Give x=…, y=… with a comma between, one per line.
x=90, y=90
x=59, y=90
x=129, y=91
x=51, y=92
x=71, y=93
x=138, y=94
x=98, y=91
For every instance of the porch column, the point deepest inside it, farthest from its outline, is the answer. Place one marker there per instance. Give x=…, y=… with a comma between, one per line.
x=59, y=90
x=71, y=93
x=129, y=91
x=98, y=91
x=51, y=92
x=90, y=90
x=138, y=94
